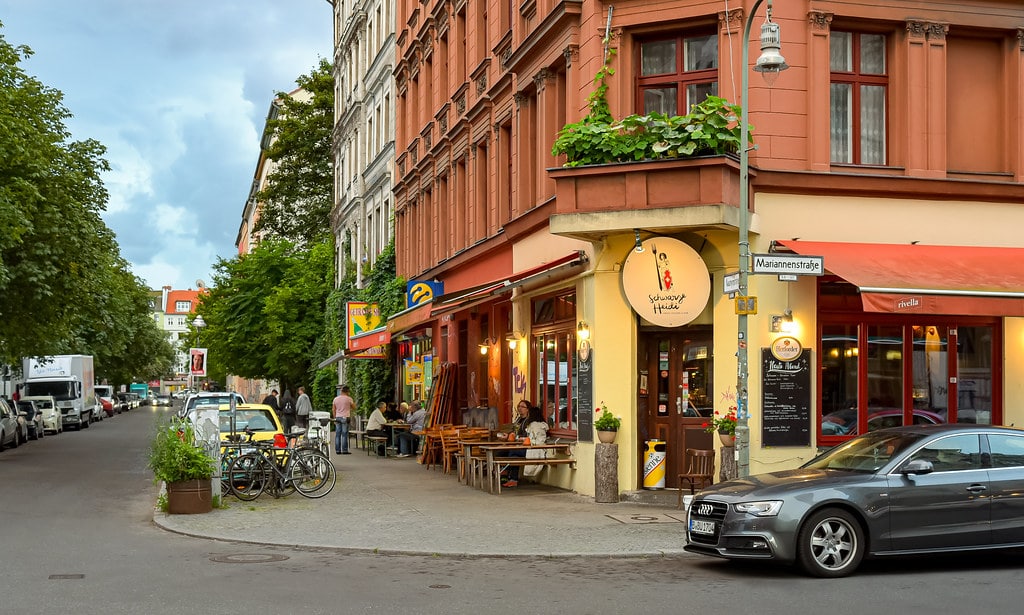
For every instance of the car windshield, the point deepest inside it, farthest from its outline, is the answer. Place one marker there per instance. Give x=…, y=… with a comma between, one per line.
x=26, y=406
x=43, y=404
x=55, y=388
x=867, y=453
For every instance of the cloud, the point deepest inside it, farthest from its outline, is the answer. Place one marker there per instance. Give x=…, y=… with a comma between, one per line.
x=178, y=92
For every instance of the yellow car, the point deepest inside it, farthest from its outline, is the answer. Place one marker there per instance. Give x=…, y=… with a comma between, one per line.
x=261, y=419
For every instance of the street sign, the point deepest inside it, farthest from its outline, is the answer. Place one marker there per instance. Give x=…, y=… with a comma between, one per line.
x=731, y=283
x=793, y=264
x=788, y=277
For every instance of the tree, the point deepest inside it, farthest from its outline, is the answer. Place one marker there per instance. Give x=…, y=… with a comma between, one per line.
x=296, y=203
x=64, y=285
x=265, y=310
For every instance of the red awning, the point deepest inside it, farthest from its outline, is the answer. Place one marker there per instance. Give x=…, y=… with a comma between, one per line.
x=926, y=279
x=408, y=319
x=364, y=341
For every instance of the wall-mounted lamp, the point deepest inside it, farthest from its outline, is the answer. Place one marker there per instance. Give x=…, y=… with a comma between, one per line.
x=485, y=346
x=782, y=323
x=512, y=340
x=583, y=330
x=637, y=245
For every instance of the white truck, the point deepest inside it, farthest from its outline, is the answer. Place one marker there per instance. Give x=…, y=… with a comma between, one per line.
x=69, y=379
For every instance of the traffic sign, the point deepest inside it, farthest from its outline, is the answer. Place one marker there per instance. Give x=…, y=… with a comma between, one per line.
x=794, y=264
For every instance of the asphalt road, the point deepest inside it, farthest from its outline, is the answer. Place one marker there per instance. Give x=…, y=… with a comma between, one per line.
x=77, y=536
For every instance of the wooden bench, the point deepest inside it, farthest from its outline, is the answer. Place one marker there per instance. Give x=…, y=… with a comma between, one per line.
x=496, y=460
x=374, y=442
x=359, y=435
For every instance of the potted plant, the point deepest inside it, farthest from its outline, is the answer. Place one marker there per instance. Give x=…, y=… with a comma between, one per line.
x=607, y=425
x=725, y=425
x=185, y=468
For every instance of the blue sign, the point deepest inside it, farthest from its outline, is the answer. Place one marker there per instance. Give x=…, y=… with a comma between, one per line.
x=420, y=292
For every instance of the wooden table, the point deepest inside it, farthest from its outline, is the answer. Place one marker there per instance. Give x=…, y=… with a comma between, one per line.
x=397, y=426
x=495, y=459
x=467, y=455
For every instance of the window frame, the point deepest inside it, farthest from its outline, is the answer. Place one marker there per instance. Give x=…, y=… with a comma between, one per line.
x=558, y=327
x=681, y=78
x=856, y=80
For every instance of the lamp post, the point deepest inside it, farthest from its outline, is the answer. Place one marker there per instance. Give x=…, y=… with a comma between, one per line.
x=769, y=64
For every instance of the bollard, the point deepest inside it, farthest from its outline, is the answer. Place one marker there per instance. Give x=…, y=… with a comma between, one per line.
x=654, y=465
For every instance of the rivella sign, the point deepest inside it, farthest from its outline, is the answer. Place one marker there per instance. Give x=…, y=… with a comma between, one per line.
x=792, y=264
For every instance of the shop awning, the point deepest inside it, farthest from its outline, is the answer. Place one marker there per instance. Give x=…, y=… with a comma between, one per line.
x=470, y=297
x=407, y=319
x=926, y=279
x=369, y=339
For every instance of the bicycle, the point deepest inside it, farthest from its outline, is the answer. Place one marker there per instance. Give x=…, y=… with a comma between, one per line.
x=281, y=471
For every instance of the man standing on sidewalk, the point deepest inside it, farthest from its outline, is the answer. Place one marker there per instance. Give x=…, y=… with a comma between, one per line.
x=343, y=405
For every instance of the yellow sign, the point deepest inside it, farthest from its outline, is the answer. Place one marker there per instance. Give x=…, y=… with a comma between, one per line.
x=666, y=282
x=413, y=372
x=746, y=305
x=362, y=317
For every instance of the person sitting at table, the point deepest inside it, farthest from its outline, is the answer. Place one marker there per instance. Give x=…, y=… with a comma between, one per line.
x=392, y=414
x=537, y=431
x=407, y=440
x=531, y=423
x=375, y=424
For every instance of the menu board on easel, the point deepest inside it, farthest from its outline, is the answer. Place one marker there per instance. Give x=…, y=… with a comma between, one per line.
x=786, y=400
x=585, y=392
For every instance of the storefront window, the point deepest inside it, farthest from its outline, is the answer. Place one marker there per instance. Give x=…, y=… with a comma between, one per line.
x=885, y=376
x=554, y=365
x=839, y=378
x=974, y=382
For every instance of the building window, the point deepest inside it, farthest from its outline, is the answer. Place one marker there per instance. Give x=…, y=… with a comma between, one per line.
x=886, y=370
x=676, y=73
x=859, y=90
x=554, y=359
x=182, y=306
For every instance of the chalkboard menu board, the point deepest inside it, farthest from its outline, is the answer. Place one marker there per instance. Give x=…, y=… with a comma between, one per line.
x=585, y=393
x=786, y=400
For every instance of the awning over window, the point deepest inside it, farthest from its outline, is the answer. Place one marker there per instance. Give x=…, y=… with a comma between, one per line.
x=408, y=319
x=369, y=339
x=926, y=279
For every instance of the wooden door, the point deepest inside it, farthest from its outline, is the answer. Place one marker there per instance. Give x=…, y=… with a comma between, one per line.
x=675, y=393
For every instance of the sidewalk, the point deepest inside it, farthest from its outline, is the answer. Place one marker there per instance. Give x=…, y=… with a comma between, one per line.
x=398, y=506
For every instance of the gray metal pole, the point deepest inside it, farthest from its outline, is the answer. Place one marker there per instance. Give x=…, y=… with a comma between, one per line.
x=742, y=337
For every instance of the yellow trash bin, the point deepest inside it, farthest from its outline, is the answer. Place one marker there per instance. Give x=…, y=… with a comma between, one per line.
x=654, y=465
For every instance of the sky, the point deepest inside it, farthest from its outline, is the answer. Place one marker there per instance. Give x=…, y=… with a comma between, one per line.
x=178, y=92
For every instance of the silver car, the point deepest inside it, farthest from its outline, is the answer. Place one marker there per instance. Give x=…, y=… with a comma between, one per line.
x=905, y=490
x=13, y=430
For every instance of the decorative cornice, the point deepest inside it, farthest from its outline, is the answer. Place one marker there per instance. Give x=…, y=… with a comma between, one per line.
x=820, y=20
x=917, y=29
x=731, y=21
x=542, y=78
x=520, y=98
x=481, y=83
x=571, y=53
x=937, y=31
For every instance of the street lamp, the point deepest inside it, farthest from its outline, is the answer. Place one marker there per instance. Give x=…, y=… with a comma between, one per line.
x=769, y=64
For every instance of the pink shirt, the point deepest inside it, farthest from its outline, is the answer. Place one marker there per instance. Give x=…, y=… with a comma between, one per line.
x=343, y=406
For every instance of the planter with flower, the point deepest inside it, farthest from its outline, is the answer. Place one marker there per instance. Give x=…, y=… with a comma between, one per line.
x=607, y=425
x=725, y=425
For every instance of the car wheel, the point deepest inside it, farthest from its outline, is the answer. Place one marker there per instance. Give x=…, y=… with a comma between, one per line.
x=831, y=544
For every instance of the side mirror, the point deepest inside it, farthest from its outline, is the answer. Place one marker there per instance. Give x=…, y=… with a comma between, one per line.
x=917, y=466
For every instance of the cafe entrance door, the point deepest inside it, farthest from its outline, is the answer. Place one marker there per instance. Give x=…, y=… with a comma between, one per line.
x=675, y=393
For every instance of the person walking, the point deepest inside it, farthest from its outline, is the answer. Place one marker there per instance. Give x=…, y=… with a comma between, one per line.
x=272, y=401
x=303, y=406
x=343, y=405
x=288, y=410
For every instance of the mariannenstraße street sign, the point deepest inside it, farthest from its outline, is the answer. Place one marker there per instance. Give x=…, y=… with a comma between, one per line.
x=794, y=264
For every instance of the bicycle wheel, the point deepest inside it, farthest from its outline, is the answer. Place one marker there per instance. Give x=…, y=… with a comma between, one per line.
x=248, y=476
x=312, y=473
x=279, y=486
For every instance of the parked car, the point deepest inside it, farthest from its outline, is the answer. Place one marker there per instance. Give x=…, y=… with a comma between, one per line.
x=261, y=419
x=900, y=491
x=47, y=405
x=105, y=393
x=10, y=426
x=33, y=418
x=207, y=398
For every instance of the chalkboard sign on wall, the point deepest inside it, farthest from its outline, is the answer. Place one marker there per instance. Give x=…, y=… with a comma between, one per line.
x=585, y=394
x=786, y=400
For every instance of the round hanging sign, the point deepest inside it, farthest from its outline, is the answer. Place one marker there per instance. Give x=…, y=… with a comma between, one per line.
x=667, y=283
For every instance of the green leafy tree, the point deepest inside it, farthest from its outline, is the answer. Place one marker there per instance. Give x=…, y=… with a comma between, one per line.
x=66, y=288
x=265, y=312
x=297, y=200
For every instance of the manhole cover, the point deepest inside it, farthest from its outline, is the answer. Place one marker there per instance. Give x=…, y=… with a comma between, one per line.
x=64, y=577
x=248, y=558
x=642, y=519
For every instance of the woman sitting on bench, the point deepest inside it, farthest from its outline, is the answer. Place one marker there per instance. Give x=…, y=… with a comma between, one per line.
x=534, y=427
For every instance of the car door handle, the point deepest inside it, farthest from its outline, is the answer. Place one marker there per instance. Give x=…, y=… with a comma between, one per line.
x=977, y=488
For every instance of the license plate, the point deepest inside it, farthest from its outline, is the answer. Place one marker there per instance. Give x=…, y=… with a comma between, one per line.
x=702, y=527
